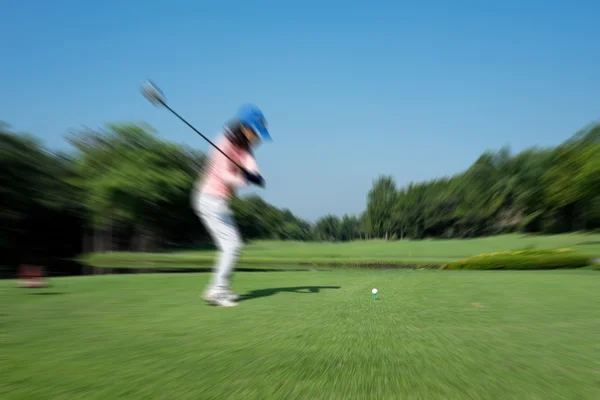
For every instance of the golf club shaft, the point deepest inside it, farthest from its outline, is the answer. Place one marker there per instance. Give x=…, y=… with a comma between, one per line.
x=199, y=133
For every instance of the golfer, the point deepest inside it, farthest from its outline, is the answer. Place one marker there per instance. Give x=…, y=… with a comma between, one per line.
x=215, y=188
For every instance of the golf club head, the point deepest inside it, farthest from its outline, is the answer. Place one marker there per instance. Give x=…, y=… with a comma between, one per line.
x=153, y=93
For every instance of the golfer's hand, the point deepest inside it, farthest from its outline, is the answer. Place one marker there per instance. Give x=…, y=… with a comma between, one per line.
x=255, y=179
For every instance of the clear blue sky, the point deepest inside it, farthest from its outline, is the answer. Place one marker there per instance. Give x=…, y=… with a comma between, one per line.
x=351, y=90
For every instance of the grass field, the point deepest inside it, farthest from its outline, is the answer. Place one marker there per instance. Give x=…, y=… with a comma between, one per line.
x=306, y=335
x=357, y=253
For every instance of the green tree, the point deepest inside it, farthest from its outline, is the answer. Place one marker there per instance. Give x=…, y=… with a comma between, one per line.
x=132, y=180
x=328, y=228
x=349, y=228
x=381, y=202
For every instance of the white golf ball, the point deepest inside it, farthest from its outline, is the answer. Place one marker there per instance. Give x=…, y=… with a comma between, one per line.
x=374, y=291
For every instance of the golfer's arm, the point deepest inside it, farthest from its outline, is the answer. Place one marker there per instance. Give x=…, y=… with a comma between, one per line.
x=229, y=172
x=251, y=165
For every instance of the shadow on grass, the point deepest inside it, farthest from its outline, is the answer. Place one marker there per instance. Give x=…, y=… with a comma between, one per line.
x=255, y=294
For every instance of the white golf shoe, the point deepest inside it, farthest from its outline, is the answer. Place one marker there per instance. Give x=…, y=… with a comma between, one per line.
x=221, y=298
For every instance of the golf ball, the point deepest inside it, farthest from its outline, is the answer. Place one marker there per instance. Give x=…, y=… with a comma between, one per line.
x=374, y=291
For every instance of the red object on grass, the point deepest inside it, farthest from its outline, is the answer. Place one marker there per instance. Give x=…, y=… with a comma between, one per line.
x=32, y=276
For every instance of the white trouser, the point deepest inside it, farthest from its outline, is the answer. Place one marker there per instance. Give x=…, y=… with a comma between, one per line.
x=218, y=220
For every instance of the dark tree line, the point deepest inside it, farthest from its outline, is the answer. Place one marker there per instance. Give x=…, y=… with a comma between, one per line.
x=119, y=188
x=124, y=188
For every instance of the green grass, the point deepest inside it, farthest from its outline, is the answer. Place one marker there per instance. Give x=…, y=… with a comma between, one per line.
x=359, y=253
x=429, y=335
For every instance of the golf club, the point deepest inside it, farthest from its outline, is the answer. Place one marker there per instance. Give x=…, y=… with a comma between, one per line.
x=156, y=97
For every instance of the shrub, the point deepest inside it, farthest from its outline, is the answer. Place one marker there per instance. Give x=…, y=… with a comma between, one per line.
x=596, y=266
x=522, y=260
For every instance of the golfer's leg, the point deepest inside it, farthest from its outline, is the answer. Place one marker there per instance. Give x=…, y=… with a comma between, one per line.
x=231, y=246
x=218, y=219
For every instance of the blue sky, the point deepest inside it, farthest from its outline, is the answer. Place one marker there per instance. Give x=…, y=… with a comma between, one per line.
x=351, y=90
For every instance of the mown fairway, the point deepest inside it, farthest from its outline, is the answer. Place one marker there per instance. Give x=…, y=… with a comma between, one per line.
x=359, y=252
x=306, y=335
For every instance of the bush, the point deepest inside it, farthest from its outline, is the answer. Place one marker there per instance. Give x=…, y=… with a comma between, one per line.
x=596, y=266
x=522, y=260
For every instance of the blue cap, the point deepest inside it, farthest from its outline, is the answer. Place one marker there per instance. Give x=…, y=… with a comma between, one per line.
x=250, y=115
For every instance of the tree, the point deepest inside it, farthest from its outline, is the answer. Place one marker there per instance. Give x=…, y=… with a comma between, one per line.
x=573, y=183
x=328, y=228
x=365, y=225
x=36, y=199
x=131, y=180
x=133, y=190
x=349, y=228
x=381, y=202
x=537, y=190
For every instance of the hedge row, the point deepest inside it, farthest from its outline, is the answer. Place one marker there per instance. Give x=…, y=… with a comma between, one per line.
x=522, y=260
